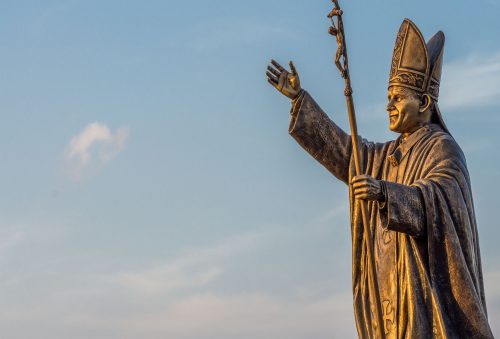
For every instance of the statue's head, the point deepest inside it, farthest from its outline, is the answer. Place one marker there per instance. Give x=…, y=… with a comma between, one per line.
x=414, y=80
x=408, y=109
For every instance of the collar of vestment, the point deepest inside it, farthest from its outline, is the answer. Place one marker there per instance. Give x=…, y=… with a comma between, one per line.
x=405, y=145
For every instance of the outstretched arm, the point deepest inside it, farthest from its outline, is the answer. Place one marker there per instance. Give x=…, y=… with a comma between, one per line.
x=310, y=126
x=320, y=136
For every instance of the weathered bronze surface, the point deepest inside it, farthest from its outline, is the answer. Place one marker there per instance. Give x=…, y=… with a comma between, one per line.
x=417, y=196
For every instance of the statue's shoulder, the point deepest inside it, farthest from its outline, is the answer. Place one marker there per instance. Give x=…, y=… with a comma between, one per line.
x=444, y=145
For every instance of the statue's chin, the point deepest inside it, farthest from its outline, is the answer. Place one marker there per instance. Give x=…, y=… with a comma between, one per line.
x=394, y=127
x=396, y=123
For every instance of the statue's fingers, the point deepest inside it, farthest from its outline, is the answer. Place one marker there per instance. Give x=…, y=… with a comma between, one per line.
x=360, y=191
x=272, y=76
x=359, y=178
x=292, y=68
x=277, y=65
x=274, y=84
x=273, y=70
x=360, y=184
x=362, y=196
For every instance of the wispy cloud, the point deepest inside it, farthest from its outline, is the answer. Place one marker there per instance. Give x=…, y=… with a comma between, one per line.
x=247, y=316
x=190, y=270
x=94, y=146
x=205, y=315
x=471, y=82
x=181, y=297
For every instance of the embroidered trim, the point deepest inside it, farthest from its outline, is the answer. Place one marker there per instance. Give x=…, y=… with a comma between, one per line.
x=398, y=46
x=409, y=78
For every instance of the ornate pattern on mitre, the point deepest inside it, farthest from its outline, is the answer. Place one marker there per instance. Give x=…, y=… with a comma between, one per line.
x=410, y=61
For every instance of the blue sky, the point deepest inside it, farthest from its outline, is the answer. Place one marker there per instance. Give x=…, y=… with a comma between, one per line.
x=150, y=188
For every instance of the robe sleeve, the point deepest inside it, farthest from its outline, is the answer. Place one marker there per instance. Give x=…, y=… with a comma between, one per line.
x=320, y=137
x=403, y=210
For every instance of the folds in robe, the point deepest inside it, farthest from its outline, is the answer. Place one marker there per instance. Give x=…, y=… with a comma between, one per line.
x=425, y=234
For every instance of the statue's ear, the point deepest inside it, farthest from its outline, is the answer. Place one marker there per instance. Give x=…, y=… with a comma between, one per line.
x=425, y=103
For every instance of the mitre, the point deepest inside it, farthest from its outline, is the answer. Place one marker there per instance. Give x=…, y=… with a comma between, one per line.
x=417, y=65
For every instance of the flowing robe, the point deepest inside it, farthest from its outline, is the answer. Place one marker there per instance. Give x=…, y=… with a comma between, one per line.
x=424, y=236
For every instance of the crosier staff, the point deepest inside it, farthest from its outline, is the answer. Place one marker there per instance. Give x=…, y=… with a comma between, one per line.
x=288, y=83
x=337, y=30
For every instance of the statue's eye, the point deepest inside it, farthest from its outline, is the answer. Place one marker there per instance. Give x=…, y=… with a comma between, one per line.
x=398, y=98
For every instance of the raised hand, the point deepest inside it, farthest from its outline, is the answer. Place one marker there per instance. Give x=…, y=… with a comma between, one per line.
x=288, y=83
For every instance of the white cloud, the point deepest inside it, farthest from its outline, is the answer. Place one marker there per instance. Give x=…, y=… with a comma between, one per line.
x=338, y=213
x=191, y=270
x=243, y=316
x=471, y=82
x=175, y=299
x=181, y=297
x=204, y=315
x=94, y=146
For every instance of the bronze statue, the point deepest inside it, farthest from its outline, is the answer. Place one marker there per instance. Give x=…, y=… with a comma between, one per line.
x=423, y=277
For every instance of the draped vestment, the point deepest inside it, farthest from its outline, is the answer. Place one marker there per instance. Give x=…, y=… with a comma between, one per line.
x=424, y=236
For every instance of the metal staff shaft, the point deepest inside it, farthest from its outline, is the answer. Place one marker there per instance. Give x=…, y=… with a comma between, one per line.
x=344, y=70
x=372, y=277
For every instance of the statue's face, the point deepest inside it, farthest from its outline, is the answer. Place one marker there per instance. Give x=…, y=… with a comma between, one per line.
x=404, y=110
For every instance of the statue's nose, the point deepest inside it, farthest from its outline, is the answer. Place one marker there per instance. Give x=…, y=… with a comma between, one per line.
x=390, y=107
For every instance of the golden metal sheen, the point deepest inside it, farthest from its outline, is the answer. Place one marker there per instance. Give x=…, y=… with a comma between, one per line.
x=338, y=29
x=416, y=264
